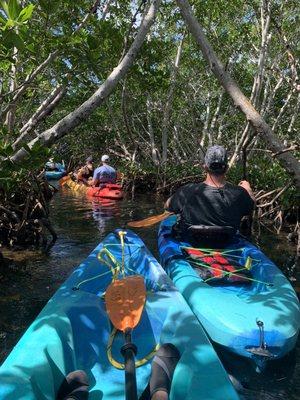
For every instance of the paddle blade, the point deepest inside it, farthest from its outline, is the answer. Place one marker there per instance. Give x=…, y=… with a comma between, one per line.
x=125, y=300
x=149, y=221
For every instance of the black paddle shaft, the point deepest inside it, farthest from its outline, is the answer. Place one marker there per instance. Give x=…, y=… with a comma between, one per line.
x=129, y=351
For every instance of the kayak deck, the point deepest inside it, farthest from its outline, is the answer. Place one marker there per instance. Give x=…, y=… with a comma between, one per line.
x=230, y=314
x=73, y=332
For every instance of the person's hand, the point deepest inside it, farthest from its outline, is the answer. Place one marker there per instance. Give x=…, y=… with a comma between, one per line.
x=245, y=185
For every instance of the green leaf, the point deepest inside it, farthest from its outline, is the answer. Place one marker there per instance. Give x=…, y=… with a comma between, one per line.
x=10, y=23
x=13, y=9
x=30, y=47
x=11, y=39
x=44, y=5
x=6, y=151
x=5, y=7
x=2, y=20
x=26, y=13
x=50, y=7
x=92, y=42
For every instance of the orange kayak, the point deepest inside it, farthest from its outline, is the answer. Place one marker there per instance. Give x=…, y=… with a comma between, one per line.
x=106, y=191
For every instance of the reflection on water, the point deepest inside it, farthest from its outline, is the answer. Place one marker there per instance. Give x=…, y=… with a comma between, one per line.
x=81, y=224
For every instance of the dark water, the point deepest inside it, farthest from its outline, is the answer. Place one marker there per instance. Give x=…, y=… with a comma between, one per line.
x=34, y=276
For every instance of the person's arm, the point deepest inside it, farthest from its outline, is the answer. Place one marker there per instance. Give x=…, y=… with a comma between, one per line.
x=247, y=187
x=176, y=202
x=167, y=204
x=80, y=175
x=95, y=180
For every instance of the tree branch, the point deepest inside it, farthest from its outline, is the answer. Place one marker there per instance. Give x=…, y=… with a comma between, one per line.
x=69, y=122
x=287, y=160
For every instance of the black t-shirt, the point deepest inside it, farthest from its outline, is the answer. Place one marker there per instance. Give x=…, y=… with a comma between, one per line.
x=201, y=204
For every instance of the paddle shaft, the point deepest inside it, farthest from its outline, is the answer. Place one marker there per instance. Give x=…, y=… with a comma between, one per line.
x=128, y=351
x=150, y=220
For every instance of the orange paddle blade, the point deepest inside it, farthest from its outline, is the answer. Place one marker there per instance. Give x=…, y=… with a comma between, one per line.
x=149, y=221
x=125, y=300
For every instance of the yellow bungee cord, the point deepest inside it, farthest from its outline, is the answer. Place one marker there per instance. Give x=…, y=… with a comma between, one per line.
x=116, y=269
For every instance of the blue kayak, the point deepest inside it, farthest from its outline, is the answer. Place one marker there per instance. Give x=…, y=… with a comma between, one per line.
x=258, y=318
x=73, y=332
x=55, y=175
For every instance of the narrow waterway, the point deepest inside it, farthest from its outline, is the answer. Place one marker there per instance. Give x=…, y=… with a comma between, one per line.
x=31, y=280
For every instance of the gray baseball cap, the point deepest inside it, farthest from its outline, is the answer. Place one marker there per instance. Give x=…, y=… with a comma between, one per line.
x=216, y=159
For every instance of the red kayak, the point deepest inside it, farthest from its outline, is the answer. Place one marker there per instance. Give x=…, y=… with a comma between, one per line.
x=108, y=191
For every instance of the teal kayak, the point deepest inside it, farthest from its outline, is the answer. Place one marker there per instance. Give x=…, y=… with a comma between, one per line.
x=57, y=174
x=73, y=332
x=258, y=318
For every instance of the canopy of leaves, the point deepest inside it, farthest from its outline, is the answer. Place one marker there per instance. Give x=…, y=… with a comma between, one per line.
x=130, y=125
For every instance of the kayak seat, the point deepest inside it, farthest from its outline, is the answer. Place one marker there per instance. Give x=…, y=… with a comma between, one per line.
x=210, y=236
x=211, y=231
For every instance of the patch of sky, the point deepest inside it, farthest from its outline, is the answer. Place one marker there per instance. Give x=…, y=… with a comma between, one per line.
x=57, y=31
x=2, y=14
x=249, y=17
x=67, y=62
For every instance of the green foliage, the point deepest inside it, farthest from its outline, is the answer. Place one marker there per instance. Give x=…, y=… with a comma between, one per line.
x=13, y=28
x=12, y=174
x=121, y=126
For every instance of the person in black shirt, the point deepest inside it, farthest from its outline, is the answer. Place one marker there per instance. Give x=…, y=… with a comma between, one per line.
x=212, y=203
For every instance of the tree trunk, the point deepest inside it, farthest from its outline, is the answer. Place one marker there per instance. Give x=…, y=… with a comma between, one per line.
x=70, y=121
x=258, y=79
x=154, y=152
x=44, y=109
x=287, y=160
x=10, y=116
x=167, y=110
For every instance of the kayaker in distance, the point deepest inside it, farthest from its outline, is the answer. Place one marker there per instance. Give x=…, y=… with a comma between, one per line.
x=211, y=210
x=76, y=385
x=104, y=174
x=51, y=165
x=86, y=172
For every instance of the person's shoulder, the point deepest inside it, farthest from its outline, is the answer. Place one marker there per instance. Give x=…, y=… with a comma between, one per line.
x=239, y=190
x=97, y=169
x=233, y=187
x=187, y=188
x=190, y=185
